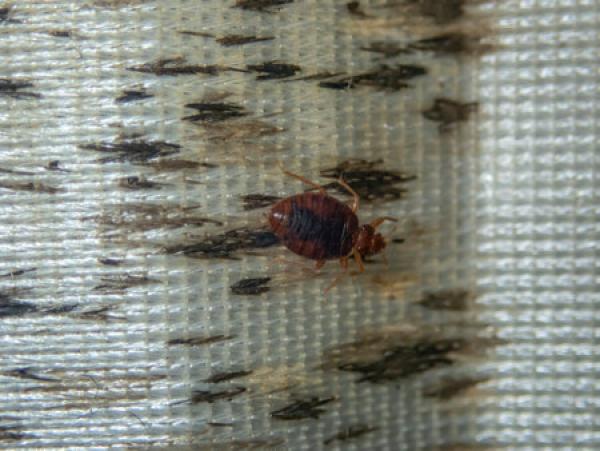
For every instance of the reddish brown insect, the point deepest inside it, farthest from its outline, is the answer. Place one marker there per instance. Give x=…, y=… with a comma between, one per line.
x=320, y=227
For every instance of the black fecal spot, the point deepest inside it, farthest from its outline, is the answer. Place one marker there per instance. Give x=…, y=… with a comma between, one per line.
x=110, y=261
x=261, y=5
x=456, y=300
x=14, y=89
x=102, y=314
x=55, y=166
x=225, y=245
x=9, y=306
x=27, y=373
x=302, y=409
x=11, y=434
x=349, y=433
x=403, y=361
x=449, y=112
x=386, y=49
x=223, y=377
x=255, y=286
x=236, y=39
x=17, y=272
x=121, y=282
x=134, y=182
x=255, y=201
x=201, y=34
x=386, y=77
x=133, y=95
x=368, y=179
x=178, y=165
x=198, y=341
x=452, y=387
x=137, y=151
x=355, y=9
x=274, y=70
x=61, y=33
x=215, y=112
x=199, y=396
x=176, y=66
x=6, y=16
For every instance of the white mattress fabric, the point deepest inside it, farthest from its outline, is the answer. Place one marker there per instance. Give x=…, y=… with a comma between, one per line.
x=144, y=302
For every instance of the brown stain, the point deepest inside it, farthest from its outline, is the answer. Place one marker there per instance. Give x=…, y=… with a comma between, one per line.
x=388, y=78
x=237, y=39
x=132, y=151
x=136, y=217
x=209, y=112
x=226, y=245
x=61, y=33
x=101, y=314
x=355, y=9
x=396, y=353
x=170, y=165
x=453, y=387
x=172, y=67
x=350, y=432
x=118, y=283
x=251, y=286
x=457, y=300
x=256, y=201
x=370, y=179
x=135, y=182
x=110, y=261
x=17, y=89
x=200, y=340
x=449, y=112
x=226, y=376
x=202, y=396
x=264, y=6
x=133, y=95
x=240, y=131
x=32, y=187
x=308, y=408
x=274, y=70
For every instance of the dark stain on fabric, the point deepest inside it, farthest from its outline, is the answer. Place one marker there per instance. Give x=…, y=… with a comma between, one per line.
x=267, y=6
x=356, y=10
x=118, y=283
x=255, y=201
x=237, y=39
x=450, y=112
x=303, y=409
x=55, y=166
x=368, y=179
x=144, y=217
x=134, y=182
x=385, y=78
x=350, y=432
x=168, y=165
x=14, y=89
x=215, y=112
x=177, y=66
x=6, y=15
x=441, y=11
x=102, y=314
x=451, y=44
x=111, y=261
x=453, y=300
x=199, y=396
x=33, y=187
x=226, y=376
x=449, y=388
x=200, y=340
x=386, y=49
x=133, y=95
x=251, y=287
x=27, y=373
x=135, y=151
x=17, y=272
x=274, y=70
x=61, y=33
x=226, y=245
x=11, y=433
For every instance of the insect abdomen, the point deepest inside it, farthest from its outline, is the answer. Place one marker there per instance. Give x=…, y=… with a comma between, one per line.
x=314, y=225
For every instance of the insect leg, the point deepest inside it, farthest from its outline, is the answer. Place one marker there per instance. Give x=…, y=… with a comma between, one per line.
x=358, y=259
x=303, y=179
x=377, y=222
x=351, y=191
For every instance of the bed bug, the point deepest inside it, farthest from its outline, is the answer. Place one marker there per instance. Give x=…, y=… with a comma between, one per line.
x=318, y=226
